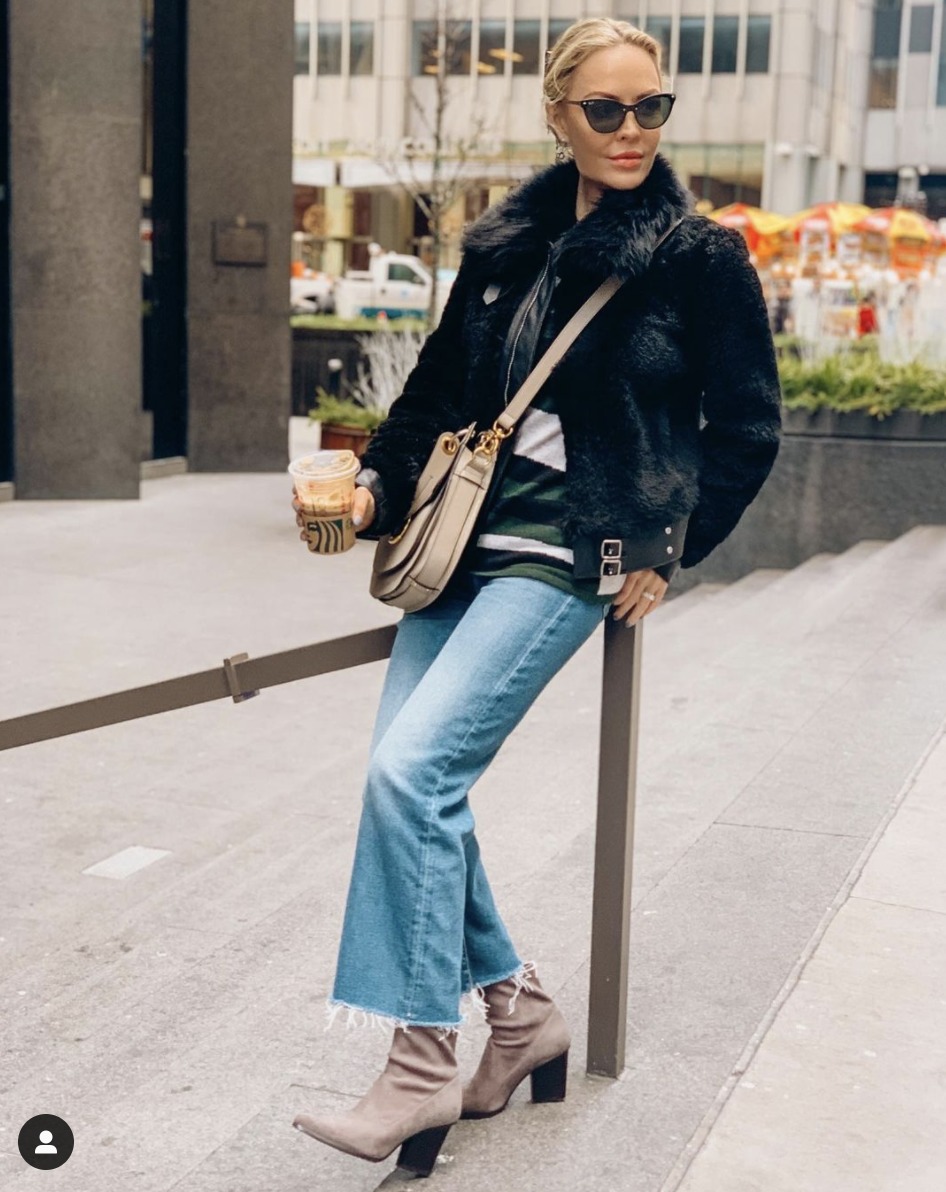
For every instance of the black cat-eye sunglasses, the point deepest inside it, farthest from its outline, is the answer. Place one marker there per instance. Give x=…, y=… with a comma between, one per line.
x=607, y=115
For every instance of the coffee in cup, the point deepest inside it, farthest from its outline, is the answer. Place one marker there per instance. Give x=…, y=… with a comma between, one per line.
x=325, y=488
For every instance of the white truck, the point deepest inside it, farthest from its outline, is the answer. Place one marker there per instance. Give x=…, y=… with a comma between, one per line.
x=397, y=284
x=311, y=293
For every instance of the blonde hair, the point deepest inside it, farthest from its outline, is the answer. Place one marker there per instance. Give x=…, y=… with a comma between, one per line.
x=581, y=40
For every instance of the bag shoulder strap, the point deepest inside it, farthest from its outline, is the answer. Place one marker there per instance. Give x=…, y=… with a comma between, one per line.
x=559, y=346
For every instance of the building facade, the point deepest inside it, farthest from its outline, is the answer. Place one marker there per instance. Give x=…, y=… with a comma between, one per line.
x=195, y=116
x=180, y=113
x=781, y=103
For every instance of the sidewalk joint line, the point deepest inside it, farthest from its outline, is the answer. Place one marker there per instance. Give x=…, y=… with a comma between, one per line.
x=903, y=906
x=786, y=828
x=700, y=1136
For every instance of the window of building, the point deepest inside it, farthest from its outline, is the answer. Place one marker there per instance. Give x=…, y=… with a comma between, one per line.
x=882, y=87
x=362, y=48
x=659, y=29
x=880, y=190
x=921, y=29
x=303, y=38
x=557, y=28
x=725, y=42
x=692, y=31
x=720, y=174
x=885, y=54
x=934, y=187
x=330, y=48
x=758, y=40
x=493, y=54
x=887, y=17
x=424, y=48
x=458, y=46
x=525, y=47
x=941, y=81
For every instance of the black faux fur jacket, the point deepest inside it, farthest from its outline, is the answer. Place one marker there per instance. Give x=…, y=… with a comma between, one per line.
x=669, y=399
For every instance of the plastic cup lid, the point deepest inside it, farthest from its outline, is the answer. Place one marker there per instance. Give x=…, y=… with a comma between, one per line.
x=326, y=465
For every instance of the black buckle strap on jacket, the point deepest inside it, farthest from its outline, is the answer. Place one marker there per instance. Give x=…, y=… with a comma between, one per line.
x=596, y=557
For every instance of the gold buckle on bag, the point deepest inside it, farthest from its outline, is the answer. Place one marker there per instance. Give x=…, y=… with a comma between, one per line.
x=489, y=441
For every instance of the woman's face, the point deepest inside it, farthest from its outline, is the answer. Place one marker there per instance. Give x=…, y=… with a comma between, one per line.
x=622, y=72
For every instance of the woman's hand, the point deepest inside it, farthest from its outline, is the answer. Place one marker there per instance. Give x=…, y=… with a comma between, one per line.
x=640, y=594
x=362, y=507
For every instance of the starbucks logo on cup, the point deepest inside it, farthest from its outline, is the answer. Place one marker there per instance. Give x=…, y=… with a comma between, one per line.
x=329, y=535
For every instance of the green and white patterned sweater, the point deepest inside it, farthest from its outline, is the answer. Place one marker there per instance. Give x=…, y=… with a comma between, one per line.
x=521, y=532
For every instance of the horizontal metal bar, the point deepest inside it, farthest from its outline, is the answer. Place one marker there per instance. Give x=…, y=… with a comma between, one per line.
x=271, y=670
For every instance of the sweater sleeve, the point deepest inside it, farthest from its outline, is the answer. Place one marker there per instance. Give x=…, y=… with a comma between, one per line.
x=427, y=406
x=741, y=418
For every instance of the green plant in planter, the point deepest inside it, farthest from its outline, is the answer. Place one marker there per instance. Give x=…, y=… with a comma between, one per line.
x=390, y=357
x=342, y=411
x=861, y=381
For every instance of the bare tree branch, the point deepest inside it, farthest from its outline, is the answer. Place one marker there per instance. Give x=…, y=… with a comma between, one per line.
x=448, y=158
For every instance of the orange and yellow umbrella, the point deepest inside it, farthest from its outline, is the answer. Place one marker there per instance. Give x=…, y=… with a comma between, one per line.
x=937, y=234
x=839, y=217
x=898, y=223
x=754, y=223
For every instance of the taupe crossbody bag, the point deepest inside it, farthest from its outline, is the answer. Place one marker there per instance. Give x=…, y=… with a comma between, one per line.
x=412, y=566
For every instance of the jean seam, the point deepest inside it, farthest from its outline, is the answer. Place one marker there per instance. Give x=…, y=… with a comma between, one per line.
x=421, y=913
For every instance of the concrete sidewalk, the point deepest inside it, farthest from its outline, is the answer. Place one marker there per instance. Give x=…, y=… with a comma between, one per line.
x=785, y=1027
x=843, y=1086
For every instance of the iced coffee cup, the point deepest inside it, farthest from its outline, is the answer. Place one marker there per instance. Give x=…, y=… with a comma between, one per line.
x=325, y=488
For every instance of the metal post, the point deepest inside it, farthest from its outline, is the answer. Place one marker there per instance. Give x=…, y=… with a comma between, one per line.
x=614, y=849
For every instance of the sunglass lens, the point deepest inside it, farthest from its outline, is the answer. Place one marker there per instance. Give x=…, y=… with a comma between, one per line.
x=604, y=115
x=652, y=113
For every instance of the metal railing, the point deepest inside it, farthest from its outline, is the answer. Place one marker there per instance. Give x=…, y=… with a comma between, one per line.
x=242, y=677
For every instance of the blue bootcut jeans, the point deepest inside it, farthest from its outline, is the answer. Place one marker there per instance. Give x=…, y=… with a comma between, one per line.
x=421, y=927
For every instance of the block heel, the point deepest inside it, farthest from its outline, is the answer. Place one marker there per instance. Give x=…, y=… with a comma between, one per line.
x=549, y=1079
x=419, y=1152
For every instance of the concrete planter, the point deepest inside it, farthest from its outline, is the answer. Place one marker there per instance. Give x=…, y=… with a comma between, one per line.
x=838, y=479
x=855, y=424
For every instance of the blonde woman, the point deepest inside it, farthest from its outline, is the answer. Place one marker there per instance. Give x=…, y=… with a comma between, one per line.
x=639, y=455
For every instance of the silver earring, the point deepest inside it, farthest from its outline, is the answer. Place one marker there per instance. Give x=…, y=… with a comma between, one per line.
x=562, y=151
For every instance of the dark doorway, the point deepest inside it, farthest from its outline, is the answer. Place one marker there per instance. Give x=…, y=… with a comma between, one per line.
x=6, y=356
x=164, y=231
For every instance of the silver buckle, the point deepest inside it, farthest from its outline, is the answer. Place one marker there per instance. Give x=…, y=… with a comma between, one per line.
x=610, y=567
x=611, y=548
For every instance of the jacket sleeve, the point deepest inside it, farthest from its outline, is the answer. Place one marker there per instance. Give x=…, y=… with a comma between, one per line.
x=741, y=419
x=430, y=403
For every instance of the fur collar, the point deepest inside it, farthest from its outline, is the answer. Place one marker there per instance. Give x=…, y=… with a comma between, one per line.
x=617, y=237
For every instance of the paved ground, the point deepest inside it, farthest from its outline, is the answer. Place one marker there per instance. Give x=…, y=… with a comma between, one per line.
x=786, y=1026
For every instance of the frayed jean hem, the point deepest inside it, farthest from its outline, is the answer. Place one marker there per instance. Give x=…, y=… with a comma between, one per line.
x=521, y=977
x=360, y=1016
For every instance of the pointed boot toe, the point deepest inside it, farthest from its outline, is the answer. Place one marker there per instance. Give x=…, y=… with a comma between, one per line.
x=412, y=1105
x=336, y=1130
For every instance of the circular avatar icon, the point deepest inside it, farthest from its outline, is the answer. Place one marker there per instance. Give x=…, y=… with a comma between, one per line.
x=46, y=1141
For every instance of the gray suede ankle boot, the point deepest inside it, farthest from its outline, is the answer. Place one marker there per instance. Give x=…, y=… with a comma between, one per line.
x=528, y=1037
x=412, y=1104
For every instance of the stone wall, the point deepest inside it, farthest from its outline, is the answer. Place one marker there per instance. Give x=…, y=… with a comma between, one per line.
x=75, y=160
x=826, y=494
x=240, y=56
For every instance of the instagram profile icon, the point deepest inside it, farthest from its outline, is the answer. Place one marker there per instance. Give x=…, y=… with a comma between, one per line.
x=46, y=1141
